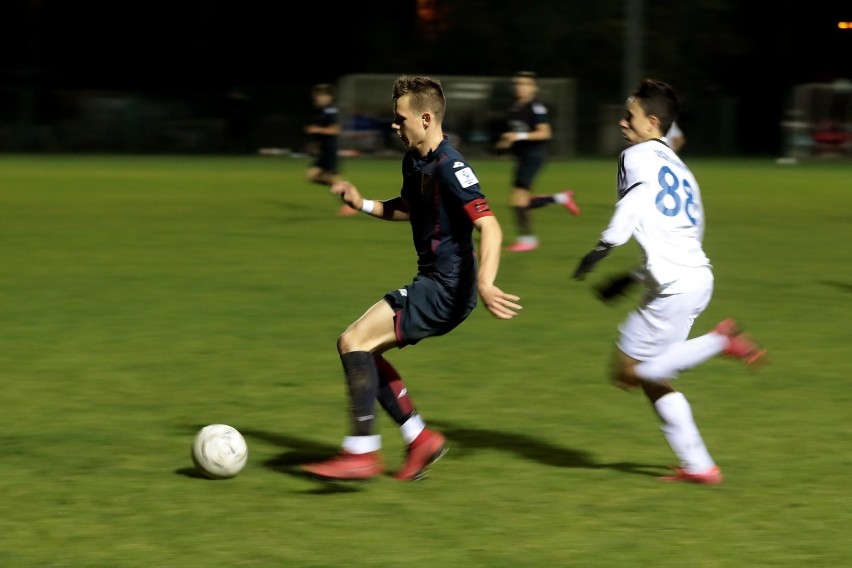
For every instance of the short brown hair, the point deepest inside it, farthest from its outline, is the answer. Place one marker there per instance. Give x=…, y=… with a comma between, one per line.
x=426, y=93
x=657, y=99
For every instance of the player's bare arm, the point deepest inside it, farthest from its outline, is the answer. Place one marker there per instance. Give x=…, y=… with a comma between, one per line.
x=500, y=304
x=395, y=209
x=542, y=131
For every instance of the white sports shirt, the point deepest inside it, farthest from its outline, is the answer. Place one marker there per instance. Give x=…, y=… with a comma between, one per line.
x=660, y=206
x=674, y=131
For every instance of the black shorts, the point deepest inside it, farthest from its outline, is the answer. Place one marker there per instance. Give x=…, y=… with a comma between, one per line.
x=327, y=159
x=529, y=164
x=428, y=308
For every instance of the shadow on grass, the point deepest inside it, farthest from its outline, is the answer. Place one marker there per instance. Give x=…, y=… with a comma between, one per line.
x=304, y=451
x=468, y=440
x=463, y=442
x=298, y=212
x=841, y=286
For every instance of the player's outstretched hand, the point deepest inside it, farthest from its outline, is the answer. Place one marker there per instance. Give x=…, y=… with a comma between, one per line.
x=594, y=256
x=348, y=193
x=614, y=287
x=500, y=304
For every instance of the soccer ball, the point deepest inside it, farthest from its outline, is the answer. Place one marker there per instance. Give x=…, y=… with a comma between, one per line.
x=219, y=451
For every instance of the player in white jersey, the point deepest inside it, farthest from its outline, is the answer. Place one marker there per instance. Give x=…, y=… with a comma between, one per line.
x=659, y=205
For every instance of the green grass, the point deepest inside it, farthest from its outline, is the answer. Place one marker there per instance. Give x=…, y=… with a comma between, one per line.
x=142, y=298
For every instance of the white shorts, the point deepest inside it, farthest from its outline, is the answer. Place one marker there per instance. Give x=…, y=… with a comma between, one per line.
x=663, y=319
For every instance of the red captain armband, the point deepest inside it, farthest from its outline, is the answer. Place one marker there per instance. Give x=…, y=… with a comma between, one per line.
x=478, y=208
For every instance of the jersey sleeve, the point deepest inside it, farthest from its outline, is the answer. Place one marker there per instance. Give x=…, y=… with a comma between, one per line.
x=460, y=178
x=623, y=220
x=540, y=115
x=628, y=207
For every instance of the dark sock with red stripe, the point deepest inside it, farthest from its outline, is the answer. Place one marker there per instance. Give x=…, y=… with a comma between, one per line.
x=393, y=396
x=362, y=378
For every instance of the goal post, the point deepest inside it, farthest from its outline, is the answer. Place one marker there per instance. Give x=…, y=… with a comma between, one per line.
x=476, y=109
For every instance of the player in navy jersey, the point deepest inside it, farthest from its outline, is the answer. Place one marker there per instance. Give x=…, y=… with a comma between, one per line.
x=443, y=203
x=659, y=205
x=527, y=135
x=324, y=132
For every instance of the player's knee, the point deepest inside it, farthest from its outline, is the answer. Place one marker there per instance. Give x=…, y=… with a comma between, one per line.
x=624, y=375
x=349, y=342
x=520, y=198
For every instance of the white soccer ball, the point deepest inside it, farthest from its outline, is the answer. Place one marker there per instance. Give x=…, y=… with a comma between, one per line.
x=219, y=451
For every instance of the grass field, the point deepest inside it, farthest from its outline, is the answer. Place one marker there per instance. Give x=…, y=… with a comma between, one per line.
x=144, y=297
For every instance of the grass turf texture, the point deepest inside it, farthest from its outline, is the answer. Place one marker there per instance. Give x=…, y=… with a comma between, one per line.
x=143, y=298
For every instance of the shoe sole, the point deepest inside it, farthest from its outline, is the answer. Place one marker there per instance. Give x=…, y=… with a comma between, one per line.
x=321, y=477
x=757, y=358
x=695, y=480
x=328, y=479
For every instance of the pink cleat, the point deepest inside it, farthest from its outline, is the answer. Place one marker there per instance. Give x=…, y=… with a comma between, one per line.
x=712, y=476
x=524, y=244
x=569, y=203
x=739, y=346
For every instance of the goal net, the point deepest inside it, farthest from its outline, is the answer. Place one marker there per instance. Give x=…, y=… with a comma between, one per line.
x=476, y=108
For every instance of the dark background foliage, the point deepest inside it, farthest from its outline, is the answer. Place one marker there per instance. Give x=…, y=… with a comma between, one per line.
x=748, y=52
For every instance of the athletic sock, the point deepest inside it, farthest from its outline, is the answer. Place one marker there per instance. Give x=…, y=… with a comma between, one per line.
x=412, y=428
x=362, y=378
x=682, y=433
x=362, y=444
x=392, y=393
x=561, y=197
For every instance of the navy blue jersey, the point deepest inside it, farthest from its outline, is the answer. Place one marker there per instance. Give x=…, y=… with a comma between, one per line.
x=325, y=116
x=444, y=198
x=524, y=118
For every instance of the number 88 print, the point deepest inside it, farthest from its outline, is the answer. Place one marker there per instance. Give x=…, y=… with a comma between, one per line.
x=674, y=204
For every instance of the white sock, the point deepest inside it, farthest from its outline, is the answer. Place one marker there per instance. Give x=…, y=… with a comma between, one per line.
x=681, y=356
x=411, y=428
x=560, y=197
x=362, y=444
x=682, y=434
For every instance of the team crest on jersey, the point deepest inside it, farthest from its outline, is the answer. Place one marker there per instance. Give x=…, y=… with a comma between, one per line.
x=466, y=177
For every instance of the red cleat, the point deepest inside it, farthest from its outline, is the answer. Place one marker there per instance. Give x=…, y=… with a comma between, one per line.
x=712, y=476
x=739, y=346
x=347, y=466
x=425, y=450
x=524, y=244
x=570, y=204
